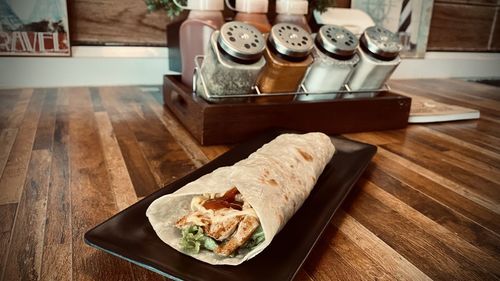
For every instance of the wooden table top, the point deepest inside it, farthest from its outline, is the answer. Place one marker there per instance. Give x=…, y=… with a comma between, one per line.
x=428, y=206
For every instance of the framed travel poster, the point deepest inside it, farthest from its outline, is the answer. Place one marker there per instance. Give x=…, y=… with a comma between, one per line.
x=34, y=28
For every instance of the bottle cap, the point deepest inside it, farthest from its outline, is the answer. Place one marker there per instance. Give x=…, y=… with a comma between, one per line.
x=380, y=42
x=293, y=7
x=252, y=6
x=291, y=40
x=337, y=40
x=241, y=41
x=205, y=5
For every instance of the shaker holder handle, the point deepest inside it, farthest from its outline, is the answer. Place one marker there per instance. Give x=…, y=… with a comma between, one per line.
x=197, y=72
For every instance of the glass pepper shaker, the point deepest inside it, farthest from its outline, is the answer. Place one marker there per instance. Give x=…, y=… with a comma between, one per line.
x=334, y=60
x=379, y=56
x=232, y=62
x=288, y=57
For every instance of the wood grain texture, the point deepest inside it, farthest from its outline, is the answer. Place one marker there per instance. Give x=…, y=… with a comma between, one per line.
x=435, y=258
x=423, y=163
x=325, y=264
x=7, y=215
x=357, y=259
x=7, y=138
x=453, y=139
x=8, y=100
x=455, y=178
x=472, y=253
x=107, y=22
x=441, y=211
x=167, y=159
x=427, y=207
x=121, y=184
x=393, y=263
x=14, y=174
x=460, y=27
x=186, y=140
x=24, y=259
x=441, y=188
x=138, y=168
x=45, y=130
x=57, y=263
x=16, y=116
x=91, y=199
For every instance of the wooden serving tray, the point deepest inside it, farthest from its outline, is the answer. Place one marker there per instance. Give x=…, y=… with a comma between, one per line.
x=226, y=123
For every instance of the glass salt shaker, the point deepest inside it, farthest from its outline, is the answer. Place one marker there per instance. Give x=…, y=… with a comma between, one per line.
x=288, y=57
x=334, y=60
x=232, y=61
x=379, y=56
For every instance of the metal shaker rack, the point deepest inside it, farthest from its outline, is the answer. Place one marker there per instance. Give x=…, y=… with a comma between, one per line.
x=198, y=60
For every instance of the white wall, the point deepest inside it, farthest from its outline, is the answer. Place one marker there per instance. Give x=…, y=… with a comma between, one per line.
x=88, y=66
x=450, y=65
x=100, y=66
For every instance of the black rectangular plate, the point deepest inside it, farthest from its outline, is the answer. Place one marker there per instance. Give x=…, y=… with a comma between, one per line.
x=129, y=235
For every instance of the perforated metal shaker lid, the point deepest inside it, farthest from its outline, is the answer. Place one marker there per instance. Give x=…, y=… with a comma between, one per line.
x=337, y=40
x=291, y=40
x=241, y=40
x=381, y=42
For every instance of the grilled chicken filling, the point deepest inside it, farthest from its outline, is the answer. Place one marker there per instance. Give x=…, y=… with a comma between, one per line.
x=245, y=230
x=227, y=219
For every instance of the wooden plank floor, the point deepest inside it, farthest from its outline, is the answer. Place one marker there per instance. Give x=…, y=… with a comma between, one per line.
x=427, y=208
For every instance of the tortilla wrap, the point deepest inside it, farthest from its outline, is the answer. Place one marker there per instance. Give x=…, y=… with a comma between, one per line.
x=275, y=180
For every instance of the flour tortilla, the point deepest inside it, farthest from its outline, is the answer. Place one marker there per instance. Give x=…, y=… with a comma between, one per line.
x=275, y=180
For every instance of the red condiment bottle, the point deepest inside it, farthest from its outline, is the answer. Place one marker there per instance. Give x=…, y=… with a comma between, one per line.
x=204, y=17
x=253, y=12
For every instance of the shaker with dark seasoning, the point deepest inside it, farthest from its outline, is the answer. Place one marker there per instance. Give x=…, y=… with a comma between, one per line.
x=233, y=61
x=288, y=57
